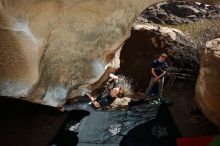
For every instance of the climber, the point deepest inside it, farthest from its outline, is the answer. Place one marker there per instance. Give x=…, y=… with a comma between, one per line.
x=111, y=92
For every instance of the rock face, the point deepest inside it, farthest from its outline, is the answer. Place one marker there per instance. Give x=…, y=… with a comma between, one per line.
x=179, y=12
x=207, y=93
x=147, y=42
x=48, y=48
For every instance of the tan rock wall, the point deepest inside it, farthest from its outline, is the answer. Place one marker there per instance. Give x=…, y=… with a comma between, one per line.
x=207, y=94
x=56, y=45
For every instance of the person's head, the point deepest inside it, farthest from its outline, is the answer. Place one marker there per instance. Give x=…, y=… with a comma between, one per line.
x=162, y=57
x=117, y=92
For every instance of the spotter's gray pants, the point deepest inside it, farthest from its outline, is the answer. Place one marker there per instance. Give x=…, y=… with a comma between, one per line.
x=151, y=85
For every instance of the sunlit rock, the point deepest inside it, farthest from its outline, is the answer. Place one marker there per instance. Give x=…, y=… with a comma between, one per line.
x=207, y=93
x=49, y=48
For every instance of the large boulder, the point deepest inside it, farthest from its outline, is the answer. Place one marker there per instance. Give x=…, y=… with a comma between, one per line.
x=146, y=42
x=49, y=47
x=207, y=94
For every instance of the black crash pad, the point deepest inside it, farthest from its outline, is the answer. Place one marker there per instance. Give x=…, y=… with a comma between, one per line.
x=147, y=124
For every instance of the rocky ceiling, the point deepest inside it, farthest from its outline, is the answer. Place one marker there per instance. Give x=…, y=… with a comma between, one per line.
x=49, y=47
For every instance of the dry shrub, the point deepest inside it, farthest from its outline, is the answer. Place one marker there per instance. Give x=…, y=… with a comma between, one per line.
x=202, y=31
x=199, y=32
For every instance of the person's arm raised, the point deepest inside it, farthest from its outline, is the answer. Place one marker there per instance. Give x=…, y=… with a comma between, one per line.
x=113, y=76
x=93, y=100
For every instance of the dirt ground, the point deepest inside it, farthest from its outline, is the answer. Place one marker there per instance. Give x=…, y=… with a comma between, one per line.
x=189, y=120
